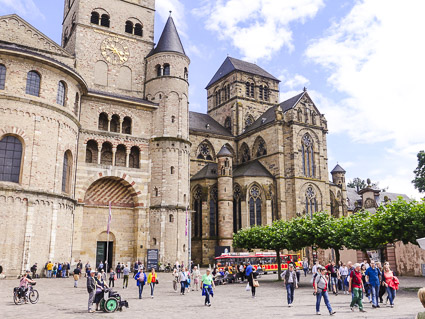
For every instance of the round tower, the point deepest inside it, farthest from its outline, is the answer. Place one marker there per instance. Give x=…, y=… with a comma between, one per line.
x=225, y=197
x=338, y=178
x=167, y=85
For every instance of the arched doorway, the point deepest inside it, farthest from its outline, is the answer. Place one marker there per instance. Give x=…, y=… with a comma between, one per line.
x=105, y=195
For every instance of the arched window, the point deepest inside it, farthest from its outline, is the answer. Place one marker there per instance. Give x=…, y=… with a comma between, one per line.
x=260, y=147
x=33, y=83
x=237, y=211
x=138, y=30
x=115, y=124
x=197, y=207
x=61, y=97
x=205, y=152
x=134, y=157
x=171, y=218
x=214, y=212
x=95, y=18
x=249, y=120
x=129, y=27
x=92, y=150
x=245, y=154
x=120, y=155
x=104, y=20
x=103, y=122
x=10, y=159
x=309, y=169
x=186, y=74
x=228, y=124
x=106, y=154
x=2, y=76
x=66, y=172
x=172, y=170
x=77, y=104
x=158, y=70
x=154, y=241
x=173, y=119
x=156, y=192
x=311, y=206
x=255, y=206
x=126, y=125
x=166, y=69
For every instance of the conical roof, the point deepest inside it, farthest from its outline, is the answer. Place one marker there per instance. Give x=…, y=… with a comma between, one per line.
x=169, y=40
x=224, y=152
x=338, y=169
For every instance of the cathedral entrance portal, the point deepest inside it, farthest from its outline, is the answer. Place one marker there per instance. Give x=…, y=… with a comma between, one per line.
x=102, y=256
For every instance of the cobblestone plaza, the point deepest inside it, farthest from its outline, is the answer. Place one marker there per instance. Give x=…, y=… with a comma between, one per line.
x=58, y=299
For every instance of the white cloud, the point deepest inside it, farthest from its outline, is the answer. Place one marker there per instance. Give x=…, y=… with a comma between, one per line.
x=163, y=8
x=296, y=82
x=258, y=28
x=25, y=8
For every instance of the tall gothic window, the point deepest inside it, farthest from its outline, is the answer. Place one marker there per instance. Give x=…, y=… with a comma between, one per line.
x=2, y=76
x=61, y=97
x=33, y=83
x=260, y=147
x=237, y=211
x=254, y=206
x=10, y=159
x=245, y=154
x=197, y=207
x=311, y=206
x=214, y=212
x=204, y=152
x=309, y=169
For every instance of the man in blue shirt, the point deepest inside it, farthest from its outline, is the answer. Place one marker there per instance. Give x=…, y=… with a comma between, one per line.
x=248, y=270
x=372, y=275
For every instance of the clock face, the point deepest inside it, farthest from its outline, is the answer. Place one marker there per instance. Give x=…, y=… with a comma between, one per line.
x=115, y=51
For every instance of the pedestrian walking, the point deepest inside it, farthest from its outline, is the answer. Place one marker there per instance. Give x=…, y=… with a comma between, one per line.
x=321, y=290
x=175, y=275
x=153, y=280
x=196, y=275
x=305, y=267
x=118, y=270
x=100, y=289
x=356, y=286
x=77, y=273
x=135, y=268
x=421, y=296
x=112, y=277
x=372, y=276
x=126, y=273
x=251, y=275
x=314, y=268
x=382, y=288
x=290, y=280
x=391, y=283
x=343, y=271
x=207, y=284
x=91, y=289
x=183, y=281
x=141, y=280
x=241, y=272
x=333, y=275
x=80, y=265
x=87, y=268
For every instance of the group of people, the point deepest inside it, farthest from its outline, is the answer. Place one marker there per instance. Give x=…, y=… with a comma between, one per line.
x=53, y=270
x=372, y=280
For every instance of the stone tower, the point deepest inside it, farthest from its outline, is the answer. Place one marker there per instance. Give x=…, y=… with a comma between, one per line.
x=110, y=40
x=338, y=178
x=167, y=84
x=225, y=197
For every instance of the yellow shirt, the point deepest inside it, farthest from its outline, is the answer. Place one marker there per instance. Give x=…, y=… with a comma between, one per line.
x=49, y=266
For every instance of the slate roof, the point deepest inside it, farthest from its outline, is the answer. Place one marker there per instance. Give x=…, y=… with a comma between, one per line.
x=353, y=196
x=124, y=97
x=224, y=152
x=169, y=40
x=200, y=122
x=208, y=172
x=338, y=169
x=231, y=64
x=290, y=103
x=252, y=169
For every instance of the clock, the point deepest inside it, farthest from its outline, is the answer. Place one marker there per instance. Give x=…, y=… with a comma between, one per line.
x=115, y=51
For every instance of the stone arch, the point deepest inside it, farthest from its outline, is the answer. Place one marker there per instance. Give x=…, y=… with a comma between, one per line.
x=205, y=151
x=101, y=73
x=256, y=204
x=125, y=79
x=313, y=134
x=305, y=197
x=244, y=153
x=260, y=147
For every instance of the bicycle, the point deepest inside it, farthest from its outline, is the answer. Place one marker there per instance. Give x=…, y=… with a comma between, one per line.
x=20, y=296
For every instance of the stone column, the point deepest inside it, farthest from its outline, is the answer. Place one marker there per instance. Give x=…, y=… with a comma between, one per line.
x=99, y=155
x=120, y=130
x=27, y=239
x=109, y=124
x=114, y=151
x=127, y=158
x=225, y=197
x=53, y=232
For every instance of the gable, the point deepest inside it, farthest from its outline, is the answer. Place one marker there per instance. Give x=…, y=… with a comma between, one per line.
x=14, y=29
x=306, y=100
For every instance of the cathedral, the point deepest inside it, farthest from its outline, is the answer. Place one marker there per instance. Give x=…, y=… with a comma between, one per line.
x=101, y=124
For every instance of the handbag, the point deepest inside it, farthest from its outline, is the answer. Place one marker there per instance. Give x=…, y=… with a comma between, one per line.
x=115, y=277
x=157, y=282
x=248, y=288
x=255, y=283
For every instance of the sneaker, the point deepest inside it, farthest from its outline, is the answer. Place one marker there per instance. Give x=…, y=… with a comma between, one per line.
x=378, y=306
x=352, y=309
x=362, y=310
x=209, y=304
x=373, y=306
x=152, y=297
x=289, y=305
x=91, y=311
x=318, y=313
x=332, y=313
x=392, y=306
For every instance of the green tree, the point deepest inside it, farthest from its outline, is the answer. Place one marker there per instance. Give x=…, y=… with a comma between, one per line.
x=419, y=180
x=357, y=183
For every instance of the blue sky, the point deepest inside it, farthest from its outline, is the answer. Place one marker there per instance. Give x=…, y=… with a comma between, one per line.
x=362, y=62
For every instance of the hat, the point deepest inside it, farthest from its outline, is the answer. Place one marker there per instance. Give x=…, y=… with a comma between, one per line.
x=92, y=271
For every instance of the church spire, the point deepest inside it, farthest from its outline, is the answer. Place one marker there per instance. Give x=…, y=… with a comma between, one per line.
x=169, y=40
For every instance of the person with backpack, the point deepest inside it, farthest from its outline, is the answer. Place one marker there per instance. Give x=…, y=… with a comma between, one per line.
x=320, y=284
x=289, y=277
x=357, y=288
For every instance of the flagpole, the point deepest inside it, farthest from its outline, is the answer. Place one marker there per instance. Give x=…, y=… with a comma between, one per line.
x=107, y=241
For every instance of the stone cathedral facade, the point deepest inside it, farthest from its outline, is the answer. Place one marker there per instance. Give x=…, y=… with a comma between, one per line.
x=102, y=121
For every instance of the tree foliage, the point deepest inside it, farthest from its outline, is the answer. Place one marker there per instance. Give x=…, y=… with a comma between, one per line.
x=359, y=183
x=419, y=180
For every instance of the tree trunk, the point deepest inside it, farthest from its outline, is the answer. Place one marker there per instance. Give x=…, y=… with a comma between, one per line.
x=337, y=256
x=279, y=271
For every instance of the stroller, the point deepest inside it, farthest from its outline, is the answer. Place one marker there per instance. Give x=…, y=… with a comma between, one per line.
x=112, y=302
